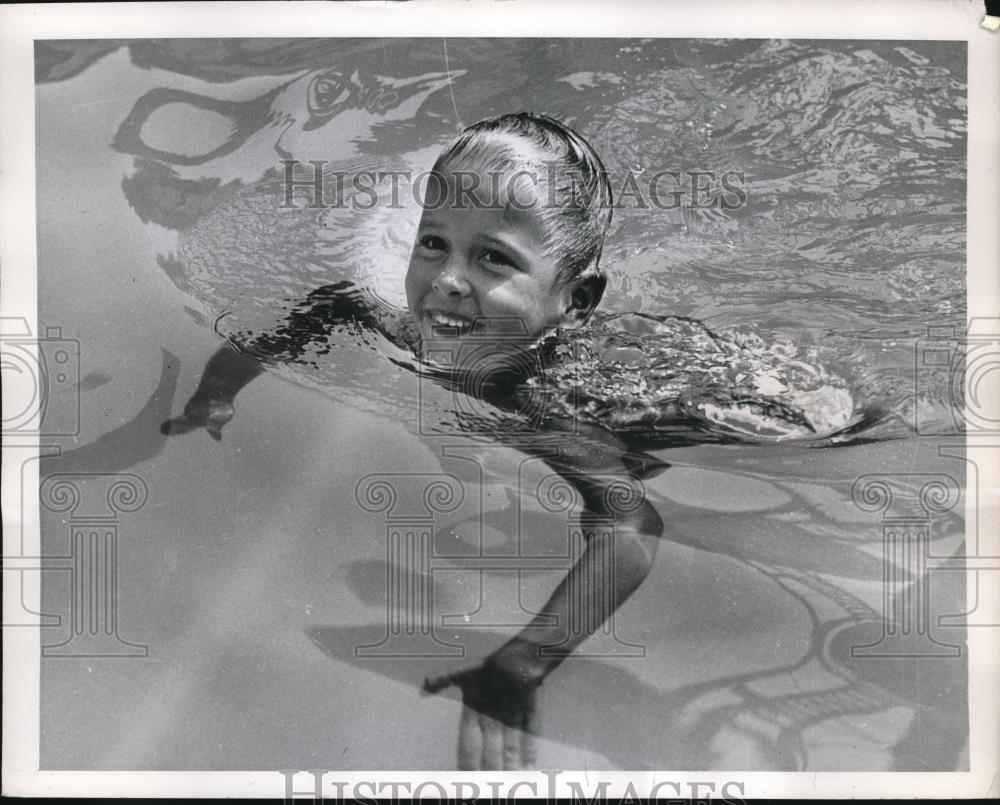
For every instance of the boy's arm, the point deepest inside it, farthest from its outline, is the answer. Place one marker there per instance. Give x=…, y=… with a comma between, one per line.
x=233, y=366
x=622, y=531
x=211, y=405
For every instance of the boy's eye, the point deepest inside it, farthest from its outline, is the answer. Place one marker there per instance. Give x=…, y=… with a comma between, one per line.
x=433, y=242
x=495, y=258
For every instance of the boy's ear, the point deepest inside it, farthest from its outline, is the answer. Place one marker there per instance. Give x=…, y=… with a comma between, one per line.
x=585, y=294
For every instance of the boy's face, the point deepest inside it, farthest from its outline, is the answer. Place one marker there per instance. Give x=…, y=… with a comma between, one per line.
x=485, y=266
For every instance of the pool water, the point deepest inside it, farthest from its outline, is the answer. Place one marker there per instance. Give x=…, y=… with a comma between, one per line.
x=844, y=244
x=252, y=574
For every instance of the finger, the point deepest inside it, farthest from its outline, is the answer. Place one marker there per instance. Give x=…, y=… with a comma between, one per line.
x=218, y=417
x=436, y=682
x=470, y=740
x=177, y=425
x=492, y=754
x=529, y=750
x=432, y=684
x=220, y=413
x=512, y=737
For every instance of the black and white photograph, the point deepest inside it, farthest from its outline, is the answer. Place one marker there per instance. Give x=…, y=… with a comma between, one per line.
x=612, y=410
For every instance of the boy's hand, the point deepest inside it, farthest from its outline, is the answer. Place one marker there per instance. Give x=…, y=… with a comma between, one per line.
x=499, y=696
x=211, y=414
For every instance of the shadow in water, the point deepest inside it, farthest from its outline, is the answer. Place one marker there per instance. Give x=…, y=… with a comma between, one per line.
x=761, y=716
x=939, y=730
x=136, y=441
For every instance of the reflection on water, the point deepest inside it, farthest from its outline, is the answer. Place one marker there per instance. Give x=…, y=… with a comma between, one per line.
x=850, y=243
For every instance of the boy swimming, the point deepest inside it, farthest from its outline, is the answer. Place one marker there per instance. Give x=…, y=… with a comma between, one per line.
x=504, y=271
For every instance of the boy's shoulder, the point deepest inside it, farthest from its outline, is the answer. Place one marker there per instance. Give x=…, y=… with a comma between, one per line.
x=624, y=371
x=630, y=339
x=671, y=375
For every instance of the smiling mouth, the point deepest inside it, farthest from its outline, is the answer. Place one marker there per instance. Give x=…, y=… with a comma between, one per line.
x=448, y=324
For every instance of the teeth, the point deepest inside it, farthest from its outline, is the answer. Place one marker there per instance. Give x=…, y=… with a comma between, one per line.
x=442, y=320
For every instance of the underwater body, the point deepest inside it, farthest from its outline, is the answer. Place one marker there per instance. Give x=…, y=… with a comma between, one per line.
x=766, y=353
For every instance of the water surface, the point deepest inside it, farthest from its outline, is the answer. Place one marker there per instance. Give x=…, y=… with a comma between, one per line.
x=158, y=163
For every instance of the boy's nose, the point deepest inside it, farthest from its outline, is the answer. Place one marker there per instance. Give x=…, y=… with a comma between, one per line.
x=452, y=281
